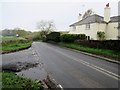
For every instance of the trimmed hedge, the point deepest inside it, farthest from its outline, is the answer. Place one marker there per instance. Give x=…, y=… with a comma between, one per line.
x=53, y=36
x=106, y=44
x=72, y=37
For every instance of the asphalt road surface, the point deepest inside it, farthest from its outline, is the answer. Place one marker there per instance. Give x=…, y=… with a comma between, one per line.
x=69, y=68
x=75, y=70
x=24, y=61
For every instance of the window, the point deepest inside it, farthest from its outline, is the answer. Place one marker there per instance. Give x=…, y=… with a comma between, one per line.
x=74, y=27
x=87, y=26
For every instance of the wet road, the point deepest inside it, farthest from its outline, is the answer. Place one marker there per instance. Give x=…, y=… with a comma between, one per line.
x=26, y=57
x=75, y=70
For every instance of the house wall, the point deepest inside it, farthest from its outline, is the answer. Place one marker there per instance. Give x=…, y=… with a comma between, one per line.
x=100, y=27
x=112, y=31
x=92, y=32
x=72, y=30
x=89, y=32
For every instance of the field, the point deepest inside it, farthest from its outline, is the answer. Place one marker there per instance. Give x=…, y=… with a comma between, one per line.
x=10, y=44
x=11, y=38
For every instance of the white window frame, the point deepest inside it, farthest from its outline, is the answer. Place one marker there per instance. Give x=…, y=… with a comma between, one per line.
x=87, y=26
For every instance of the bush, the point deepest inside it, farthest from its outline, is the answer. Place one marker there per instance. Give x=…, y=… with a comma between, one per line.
x=72, y=37
x=4, y=42
x=43, y=39
x=101, y=35
x=15, y=41
x=53, y=36
x=34, y=36
x=105, y=44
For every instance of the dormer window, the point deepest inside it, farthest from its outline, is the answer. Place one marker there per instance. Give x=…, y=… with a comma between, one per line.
x=88, y=26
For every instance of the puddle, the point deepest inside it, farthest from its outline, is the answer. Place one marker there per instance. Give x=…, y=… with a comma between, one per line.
x=36, y=73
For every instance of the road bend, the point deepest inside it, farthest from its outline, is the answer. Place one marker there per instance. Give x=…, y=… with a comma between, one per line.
x=75, y=70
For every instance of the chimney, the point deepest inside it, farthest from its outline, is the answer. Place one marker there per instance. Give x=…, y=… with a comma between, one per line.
x=107, y=13
x=80, y=17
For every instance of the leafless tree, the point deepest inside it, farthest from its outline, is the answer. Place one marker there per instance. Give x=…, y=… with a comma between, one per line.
x=45, y=27
x=87, y=13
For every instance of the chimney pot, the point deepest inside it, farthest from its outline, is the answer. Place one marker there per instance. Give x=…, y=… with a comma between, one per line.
x=107, y=5
x=107, y=13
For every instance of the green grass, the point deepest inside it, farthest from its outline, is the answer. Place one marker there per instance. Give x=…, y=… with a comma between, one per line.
x=11, y=80
x=15, y=47
x=10, y=44
x=11, y=38
x=103, y=52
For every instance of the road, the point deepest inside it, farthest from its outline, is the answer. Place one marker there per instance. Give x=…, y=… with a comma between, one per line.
x=22, y=60
x=75, y=70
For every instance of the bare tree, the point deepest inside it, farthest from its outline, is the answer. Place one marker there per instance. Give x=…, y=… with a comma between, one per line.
x=45, y=27
x=87, y=13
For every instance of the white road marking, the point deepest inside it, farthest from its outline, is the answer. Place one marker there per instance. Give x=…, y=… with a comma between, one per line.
x=104, y=71
x=98, y=69
x=60, y=86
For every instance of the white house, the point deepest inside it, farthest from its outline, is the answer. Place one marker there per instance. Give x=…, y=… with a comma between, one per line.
x=94, y=23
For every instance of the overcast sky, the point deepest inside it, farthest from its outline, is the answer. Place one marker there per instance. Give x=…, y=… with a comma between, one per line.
x=27, y=14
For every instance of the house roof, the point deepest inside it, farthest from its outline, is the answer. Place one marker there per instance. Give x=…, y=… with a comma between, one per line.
x=95, y=19
x=115, y=19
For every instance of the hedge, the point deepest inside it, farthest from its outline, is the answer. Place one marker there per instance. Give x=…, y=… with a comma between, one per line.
x=106, y=44
x=72, y=37
x=53, y=36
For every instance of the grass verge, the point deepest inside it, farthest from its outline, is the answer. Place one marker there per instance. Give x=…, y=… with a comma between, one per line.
x=15, y=47
x=12, y=44
x=11, y=38
x=102, y=52
x=11, y=80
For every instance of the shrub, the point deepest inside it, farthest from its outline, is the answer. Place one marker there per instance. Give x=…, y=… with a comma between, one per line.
x=101, y=35
x=44, y=38
x=4, y=42
x=34, y=36
x=53, y=36
x=72, y=37
x=105, y=44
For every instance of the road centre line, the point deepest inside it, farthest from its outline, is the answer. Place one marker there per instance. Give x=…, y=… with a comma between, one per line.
x=104, y=71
